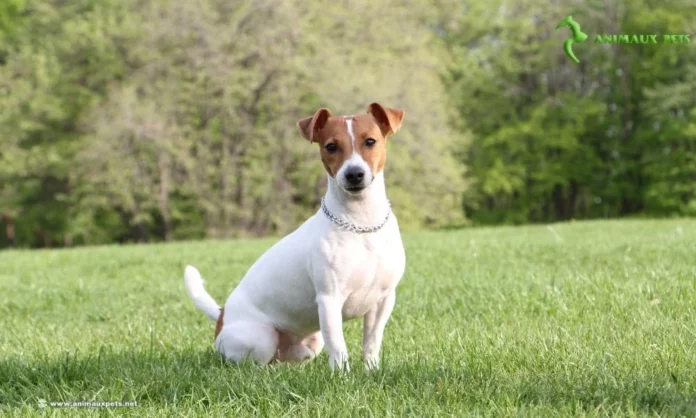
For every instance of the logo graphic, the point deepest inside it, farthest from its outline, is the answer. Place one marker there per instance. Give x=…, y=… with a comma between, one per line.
x=623, y=38
x=578, y=36
x=42, y=403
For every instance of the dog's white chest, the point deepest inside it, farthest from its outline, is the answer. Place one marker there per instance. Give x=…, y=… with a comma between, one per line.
x=366, y=287
x=366, y=269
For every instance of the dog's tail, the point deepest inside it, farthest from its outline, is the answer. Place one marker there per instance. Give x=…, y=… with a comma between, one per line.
x=197, y=293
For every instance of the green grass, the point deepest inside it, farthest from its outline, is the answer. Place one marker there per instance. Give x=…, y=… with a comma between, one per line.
x=590, y=318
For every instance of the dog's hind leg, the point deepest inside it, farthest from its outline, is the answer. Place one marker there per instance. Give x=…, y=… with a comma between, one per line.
x=241, y=340
x=314, y=343
x=291, y=349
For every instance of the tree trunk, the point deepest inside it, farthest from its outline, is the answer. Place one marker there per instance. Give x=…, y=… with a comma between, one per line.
x=240, y=194
x=572, y=198
x=163, y=198
x=559, y=209
x=45, y=238
x=226, y=160
x=10, y=230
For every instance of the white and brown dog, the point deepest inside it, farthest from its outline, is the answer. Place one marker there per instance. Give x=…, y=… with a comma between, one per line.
x=342, y=263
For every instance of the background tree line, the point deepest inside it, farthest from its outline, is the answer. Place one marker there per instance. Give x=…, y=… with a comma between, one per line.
x=140, y=120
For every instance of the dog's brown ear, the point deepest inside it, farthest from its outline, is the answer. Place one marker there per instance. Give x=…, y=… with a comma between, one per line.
x=388, y=119
x=309, y=126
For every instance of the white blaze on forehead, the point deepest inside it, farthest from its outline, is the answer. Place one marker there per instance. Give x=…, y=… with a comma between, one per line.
x=349, y=124
x=355, y=158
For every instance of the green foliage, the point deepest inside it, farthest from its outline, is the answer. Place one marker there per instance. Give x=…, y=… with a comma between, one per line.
x=162, y=120
x=10, y=21
x=158, y=120
x=554, y=140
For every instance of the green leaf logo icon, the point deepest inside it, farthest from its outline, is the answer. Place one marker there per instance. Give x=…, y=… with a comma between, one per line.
x=578, y=36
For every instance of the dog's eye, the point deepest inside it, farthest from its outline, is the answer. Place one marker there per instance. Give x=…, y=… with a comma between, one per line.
x=370, y=142
x=331, y=147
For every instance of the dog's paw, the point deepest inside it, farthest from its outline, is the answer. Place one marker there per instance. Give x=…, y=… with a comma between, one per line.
x=339, y=362
x=371, y=363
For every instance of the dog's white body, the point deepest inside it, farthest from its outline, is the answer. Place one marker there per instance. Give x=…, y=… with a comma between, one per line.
x=297, y=294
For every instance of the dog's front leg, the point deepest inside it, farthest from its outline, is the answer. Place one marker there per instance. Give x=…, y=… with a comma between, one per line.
x=331, y=323
x=373, y=329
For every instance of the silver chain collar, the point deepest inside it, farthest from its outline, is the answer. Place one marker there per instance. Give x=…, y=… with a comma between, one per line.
x=352, y=227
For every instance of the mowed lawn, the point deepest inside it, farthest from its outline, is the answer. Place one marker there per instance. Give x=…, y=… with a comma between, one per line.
x=588, y=318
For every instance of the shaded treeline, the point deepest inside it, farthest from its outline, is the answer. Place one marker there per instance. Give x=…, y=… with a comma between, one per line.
x=550, y=140
x=125, y=120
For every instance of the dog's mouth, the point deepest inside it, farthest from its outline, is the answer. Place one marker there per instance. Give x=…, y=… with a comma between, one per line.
x=355, y=189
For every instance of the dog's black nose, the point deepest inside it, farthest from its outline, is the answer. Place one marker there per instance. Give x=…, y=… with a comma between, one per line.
x=355, y=175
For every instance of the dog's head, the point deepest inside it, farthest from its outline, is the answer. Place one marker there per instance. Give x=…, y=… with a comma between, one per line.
x=353, y=148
